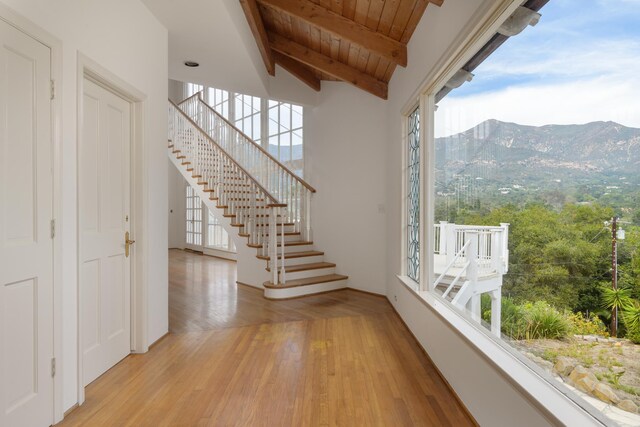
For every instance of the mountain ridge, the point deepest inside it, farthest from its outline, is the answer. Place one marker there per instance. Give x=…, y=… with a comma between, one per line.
x=504, y=153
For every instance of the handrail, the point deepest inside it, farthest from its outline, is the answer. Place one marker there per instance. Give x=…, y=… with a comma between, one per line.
x=282, y=184
x=455, y=258
x=455, y=280
x=260, y=147
x=275, y=202
x=187, y=99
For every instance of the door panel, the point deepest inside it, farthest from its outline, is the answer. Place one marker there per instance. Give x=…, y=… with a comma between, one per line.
x=26, y=247
x=104, y=193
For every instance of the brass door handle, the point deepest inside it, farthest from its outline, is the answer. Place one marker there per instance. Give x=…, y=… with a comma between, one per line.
x=127, y=244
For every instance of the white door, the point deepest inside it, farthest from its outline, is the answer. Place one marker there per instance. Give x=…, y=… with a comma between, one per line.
x=104, y=200
x=26, y=246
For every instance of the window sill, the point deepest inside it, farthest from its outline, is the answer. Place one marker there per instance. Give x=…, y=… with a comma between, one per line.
x=536, y=385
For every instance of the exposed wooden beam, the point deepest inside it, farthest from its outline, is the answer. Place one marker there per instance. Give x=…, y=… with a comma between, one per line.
x=328, y=65
x=342, y=27
x=302, y=72
x=254, y=19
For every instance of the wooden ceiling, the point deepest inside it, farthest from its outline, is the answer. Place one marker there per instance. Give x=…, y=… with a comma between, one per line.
x=360, y=42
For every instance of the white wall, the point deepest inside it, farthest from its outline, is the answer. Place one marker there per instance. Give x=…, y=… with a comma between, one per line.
x=177, y=208
x=345, y=140
x=123, y=37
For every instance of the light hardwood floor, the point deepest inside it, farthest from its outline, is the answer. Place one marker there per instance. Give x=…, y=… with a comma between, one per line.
x=234, y=358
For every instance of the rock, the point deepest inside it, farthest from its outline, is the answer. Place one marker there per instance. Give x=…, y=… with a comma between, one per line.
x=564, y=365
x=605, y=393
x=585, y=384
x=545, y=364
x=628, y=406
x=580, y=372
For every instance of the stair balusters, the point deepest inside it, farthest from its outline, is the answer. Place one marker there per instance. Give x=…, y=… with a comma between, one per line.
x=228, y=182
x=285, y=186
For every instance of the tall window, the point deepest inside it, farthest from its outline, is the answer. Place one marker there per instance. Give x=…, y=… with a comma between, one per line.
x=413, y=197
x=219, y=100
x=248, y=115
x=276, y=126
x=285, y=134
x=194, y=218
x=217, y=237
x=191, y=89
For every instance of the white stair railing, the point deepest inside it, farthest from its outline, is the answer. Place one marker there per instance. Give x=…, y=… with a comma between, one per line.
x=232, y=186
x=275, y=177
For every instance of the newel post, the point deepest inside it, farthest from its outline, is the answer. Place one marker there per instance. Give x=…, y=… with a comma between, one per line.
x=472, y=272
x=273, y=245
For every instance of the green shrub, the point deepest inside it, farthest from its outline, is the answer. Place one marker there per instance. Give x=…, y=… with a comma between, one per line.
x=532, y=320
x=544, y=321
x=581, y=324
x=634, y=336
x=631, y=318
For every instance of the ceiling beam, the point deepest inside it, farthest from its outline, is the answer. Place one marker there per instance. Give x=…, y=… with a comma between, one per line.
x=328, y=65
x=302, y=72
x=342, y=27
x=254, y=19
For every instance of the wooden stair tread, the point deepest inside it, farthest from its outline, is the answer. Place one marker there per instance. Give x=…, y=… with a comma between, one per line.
x=306, y=267
x=307, y=282
x=298, y=243
x=294, y=255
x=287, y=233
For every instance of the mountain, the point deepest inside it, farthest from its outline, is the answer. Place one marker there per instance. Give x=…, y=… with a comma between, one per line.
x=500, y=155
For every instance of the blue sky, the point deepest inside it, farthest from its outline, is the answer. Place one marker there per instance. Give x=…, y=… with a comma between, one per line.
x=581, y=63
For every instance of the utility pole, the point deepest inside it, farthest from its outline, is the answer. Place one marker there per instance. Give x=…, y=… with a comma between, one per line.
x=614, y=272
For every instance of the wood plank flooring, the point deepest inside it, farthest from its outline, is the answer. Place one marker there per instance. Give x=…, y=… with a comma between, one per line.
x=234, y=358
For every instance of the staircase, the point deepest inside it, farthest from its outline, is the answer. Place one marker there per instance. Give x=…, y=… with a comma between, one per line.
x=256, y=198
x=470, y=261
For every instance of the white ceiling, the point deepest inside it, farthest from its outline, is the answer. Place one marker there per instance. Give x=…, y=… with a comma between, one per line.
x=215, y=34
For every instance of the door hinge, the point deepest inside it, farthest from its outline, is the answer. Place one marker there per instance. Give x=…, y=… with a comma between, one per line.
x=53, y=367
x=53, y=228
x=53, y=89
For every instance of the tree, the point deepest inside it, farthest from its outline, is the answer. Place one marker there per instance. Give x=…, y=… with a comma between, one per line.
x=615, y=300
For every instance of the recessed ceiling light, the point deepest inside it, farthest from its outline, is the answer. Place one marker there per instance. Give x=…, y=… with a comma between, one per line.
x=191, y=64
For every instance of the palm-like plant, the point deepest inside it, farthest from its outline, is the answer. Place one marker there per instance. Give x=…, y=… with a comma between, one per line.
x=631, y=317
x=615, y=300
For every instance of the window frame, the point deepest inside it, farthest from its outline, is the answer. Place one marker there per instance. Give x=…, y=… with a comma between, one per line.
x=229, y=246
x=541, y=389
x=191, y=196
x=407, y=128
x=233, y=115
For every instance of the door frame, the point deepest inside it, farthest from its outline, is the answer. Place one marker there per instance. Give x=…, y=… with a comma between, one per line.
x=32, y=30
x=90, y=69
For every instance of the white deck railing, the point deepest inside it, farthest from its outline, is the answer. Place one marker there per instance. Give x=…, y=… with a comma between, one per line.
x=491, y=248
x=287, y=187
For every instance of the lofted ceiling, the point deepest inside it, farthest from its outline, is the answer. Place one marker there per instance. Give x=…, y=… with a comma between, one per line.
x=360, y=42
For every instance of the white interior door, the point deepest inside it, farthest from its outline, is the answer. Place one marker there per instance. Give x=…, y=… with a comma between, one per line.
x=104, y=200
x=26, y=246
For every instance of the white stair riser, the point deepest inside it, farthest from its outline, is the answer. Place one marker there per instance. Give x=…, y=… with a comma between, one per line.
x=302, y=260
x=304, y=290
x=309, y=273
x=296, y=248
x=287, y=229
x=292, y=238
